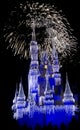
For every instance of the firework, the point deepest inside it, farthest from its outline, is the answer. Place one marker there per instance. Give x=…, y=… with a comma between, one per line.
x=49, y=25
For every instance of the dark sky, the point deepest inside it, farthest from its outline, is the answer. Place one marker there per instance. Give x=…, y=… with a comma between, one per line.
x=70, y=8
x=11, y=68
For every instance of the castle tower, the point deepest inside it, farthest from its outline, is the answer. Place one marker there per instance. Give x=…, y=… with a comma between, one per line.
x=21, y=102
x=21, y=95
x=68, y=95
x=33, y=71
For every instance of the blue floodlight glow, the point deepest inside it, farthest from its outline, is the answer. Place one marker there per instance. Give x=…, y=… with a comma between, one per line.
x=45, y=116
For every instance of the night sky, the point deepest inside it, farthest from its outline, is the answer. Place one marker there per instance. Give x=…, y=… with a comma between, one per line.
x=12, y=68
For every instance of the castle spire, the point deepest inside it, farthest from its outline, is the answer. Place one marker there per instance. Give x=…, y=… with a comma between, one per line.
x=21, y=94
x=33, y=30
x=67, y=88
x=68, y=95
x=51, y=34
x=21, y=103
x=33, y=45
x=55, y=54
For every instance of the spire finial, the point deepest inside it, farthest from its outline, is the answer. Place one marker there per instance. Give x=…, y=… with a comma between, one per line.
x=67, y=87
x=66, y=76
x=68, y=95
x=54, y=51
x=33, y=30
x=53, y=42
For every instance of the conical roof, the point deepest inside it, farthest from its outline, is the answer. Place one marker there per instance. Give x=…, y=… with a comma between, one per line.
x=67, y=88
x=55, y=53
x=68, y=95
x=21, y=94
x=33, y=31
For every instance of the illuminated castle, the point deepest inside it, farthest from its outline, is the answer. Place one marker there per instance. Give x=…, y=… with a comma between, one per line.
x=44, y=86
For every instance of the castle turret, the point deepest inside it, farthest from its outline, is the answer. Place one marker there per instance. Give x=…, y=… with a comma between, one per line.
x=21, y=102
x=21, y=95
x=68, y=95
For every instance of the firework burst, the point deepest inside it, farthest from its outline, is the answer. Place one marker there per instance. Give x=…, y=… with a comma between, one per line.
x=49, y=24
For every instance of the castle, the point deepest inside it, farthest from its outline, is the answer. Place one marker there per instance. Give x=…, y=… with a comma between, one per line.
x=44, y=86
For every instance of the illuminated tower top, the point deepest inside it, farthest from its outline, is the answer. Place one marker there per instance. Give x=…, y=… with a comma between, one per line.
x=33, y=31
x=67, y=88
x=68, y=95
x=51, y=38
x=55, y=57
x=54, y=51
x=33, y=45
x=21, y=95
